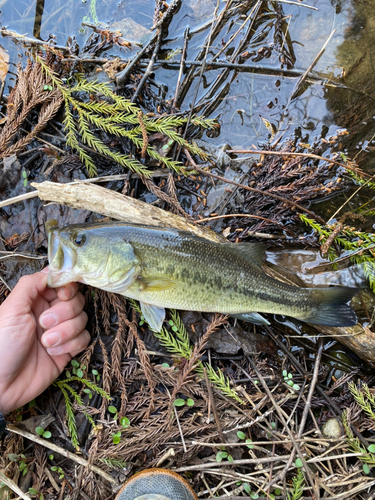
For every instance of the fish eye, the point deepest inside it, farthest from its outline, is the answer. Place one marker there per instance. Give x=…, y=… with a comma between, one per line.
x=79, y=238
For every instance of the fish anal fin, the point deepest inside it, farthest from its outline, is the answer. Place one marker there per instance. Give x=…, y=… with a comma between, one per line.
x=254, y=252
x=153, y=315
x=253, y=317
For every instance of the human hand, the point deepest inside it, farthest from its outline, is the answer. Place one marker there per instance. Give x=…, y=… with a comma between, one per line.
x=41, y=329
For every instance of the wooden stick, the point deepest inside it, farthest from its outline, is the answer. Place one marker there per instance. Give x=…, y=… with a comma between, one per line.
x=58, y=449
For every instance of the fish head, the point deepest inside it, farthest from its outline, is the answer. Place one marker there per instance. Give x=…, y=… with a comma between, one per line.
x=91, y=254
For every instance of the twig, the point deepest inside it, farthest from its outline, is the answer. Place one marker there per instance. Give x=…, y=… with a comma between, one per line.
x=297, y=3
x=173, y=6
x=122, y=77
x=303, y=155
x=149, y=68
x=213, y=405
x=312, y=65
x=254, y=190
x=182, y=66
x=245, y=461
x=179, y=428
x=58, y=449
x=281, y=417
x=12, y=485
x=32, y=41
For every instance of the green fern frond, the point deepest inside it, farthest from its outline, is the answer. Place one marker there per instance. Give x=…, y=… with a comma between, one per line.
x=114, y=463
x=219, y=381
x=355, y=445
x=178, y=343
x=109, y=113
x=70, y=417
x=352, y=240
x=297, y=488
x=364, y=398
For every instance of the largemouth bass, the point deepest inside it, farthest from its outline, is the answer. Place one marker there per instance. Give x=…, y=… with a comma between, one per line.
x=165, y=267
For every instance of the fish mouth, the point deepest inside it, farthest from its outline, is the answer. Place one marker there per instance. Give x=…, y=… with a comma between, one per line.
x=61, y=258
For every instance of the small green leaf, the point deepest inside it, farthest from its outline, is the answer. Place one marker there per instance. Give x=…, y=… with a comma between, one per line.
x=51, y=457
x=296, y=387
x=24, y=174
x=241, y=435
x=290, y=382
x=174, y=329
x=125, y=422
x=112, y=409
x=273, y=425
x=79, y=373
x=285, y=373
x=220, y=455
x=165, y=365
x=32, y=403
x=75, y=363
x=94, y=372
x=298, y=463
x=170, y=322
x=47, y=434
x=190, y=402
x=366, y=468
x=254, y=495
x=290, y=375
x=277, y=491
x=39, y=430
x=246, y=488
x=179, y=402
x=371, y=448
x=33, y=491
x=250, y=446
x=13, y=457
x=230, y=459
x=116, y=439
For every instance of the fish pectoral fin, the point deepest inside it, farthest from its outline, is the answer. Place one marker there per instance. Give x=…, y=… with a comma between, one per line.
x=155, y=284
x=255, y=318
x=153, y=315
x=254, y=252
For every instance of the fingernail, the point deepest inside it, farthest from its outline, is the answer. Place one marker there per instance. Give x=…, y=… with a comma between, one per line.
x=48, y=320
x=68, y=292
x=51, y=339
x=55, y=351
x=45, y=270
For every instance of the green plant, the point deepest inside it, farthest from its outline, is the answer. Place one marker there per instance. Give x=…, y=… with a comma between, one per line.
x=297, y=488
x=288, y=379
x=116, y=437
x=348, y=238
x=242, y=436
x=367, y=457
x=24, y=175
x=116, y=116
x=223, y=454
x=68, y=391
x=43, y=433
x=34, y=492
x=114, y=462
x=177, y=342
x=59, y=471
x=182, y=402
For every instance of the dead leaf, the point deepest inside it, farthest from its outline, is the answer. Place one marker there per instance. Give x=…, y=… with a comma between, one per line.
x=4, y=63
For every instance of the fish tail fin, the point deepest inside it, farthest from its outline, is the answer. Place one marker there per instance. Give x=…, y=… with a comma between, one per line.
x=331, y=308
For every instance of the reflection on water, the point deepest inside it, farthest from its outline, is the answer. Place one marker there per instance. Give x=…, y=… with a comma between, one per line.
x=282, y=35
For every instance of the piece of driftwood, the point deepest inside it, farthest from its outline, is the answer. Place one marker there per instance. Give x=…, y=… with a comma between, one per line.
x=117, y=206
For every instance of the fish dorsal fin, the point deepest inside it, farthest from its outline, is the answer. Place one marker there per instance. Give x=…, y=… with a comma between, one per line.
x=254, y=252
x=255, y=318
x=153, y=315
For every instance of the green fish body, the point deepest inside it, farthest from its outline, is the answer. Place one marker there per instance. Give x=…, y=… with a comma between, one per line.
x=168, y=268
